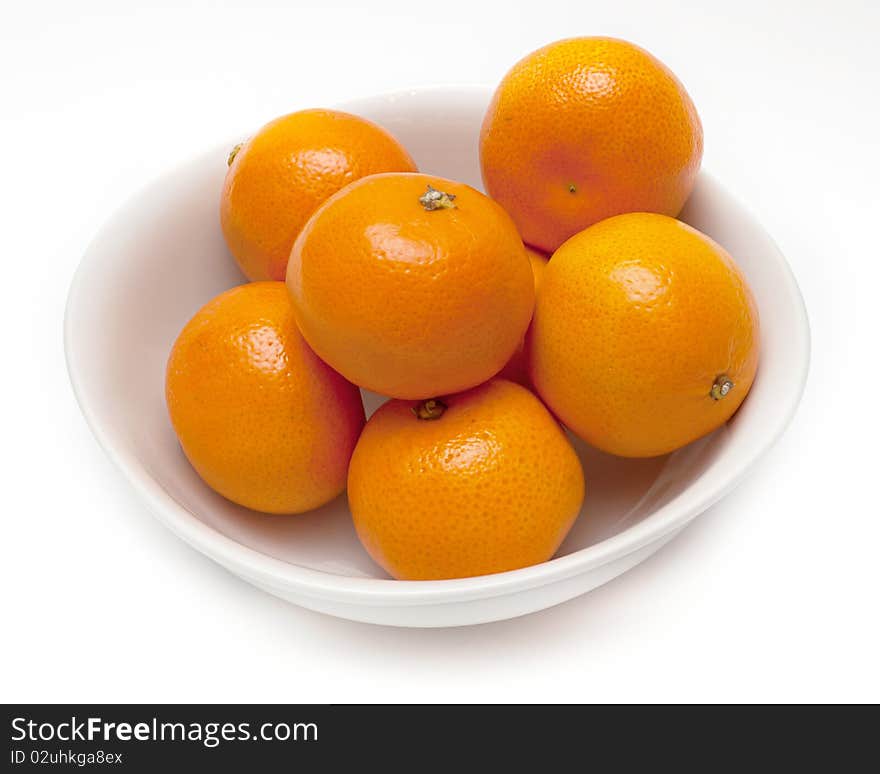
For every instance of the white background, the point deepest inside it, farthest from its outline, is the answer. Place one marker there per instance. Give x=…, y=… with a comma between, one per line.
x=772, y=595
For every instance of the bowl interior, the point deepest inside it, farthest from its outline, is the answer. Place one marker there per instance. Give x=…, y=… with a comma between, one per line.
x=163, y=256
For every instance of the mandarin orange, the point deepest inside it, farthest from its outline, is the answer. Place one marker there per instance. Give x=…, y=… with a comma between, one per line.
x=262, y=420
x=476, y=483
x=517, y=368
x=645, y=335
x=280, y=176
x=584, y=129
x=411, y=285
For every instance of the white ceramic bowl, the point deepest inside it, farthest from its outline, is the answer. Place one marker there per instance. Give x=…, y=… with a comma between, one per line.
x=162, y=256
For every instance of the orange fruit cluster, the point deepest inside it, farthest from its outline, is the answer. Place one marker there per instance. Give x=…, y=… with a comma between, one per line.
x=567, y=295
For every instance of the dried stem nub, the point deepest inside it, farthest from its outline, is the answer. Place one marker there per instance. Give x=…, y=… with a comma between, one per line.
x=232, y=154
x=433, y=199
x=723, y=384
x=432, y=408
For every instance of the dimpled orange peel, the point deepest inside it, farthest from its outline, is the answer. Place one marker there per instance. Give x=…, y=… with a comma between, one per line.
x=645, y=335
x=411, y=285
x=262, y=420
x=517, y=368
x=280, y=176
x=470, y=484
x=587, y=128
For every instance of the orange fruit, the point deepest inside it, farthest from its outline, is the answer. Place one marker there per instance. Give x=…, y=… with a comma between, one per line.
x=472, y=484
x=280, y=176
x=262, y=420
x=645, y=335
x=411, y=285
x=517, y=369
x=584, y=129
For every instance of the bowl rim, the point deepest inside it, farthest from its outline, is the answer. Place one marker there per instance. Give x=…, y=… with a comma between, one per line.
x=275, y=573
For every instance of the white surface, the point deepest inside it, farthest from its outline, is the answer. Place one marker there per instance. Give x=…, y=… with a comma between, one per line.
x=770, y=596
x=123, y=316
